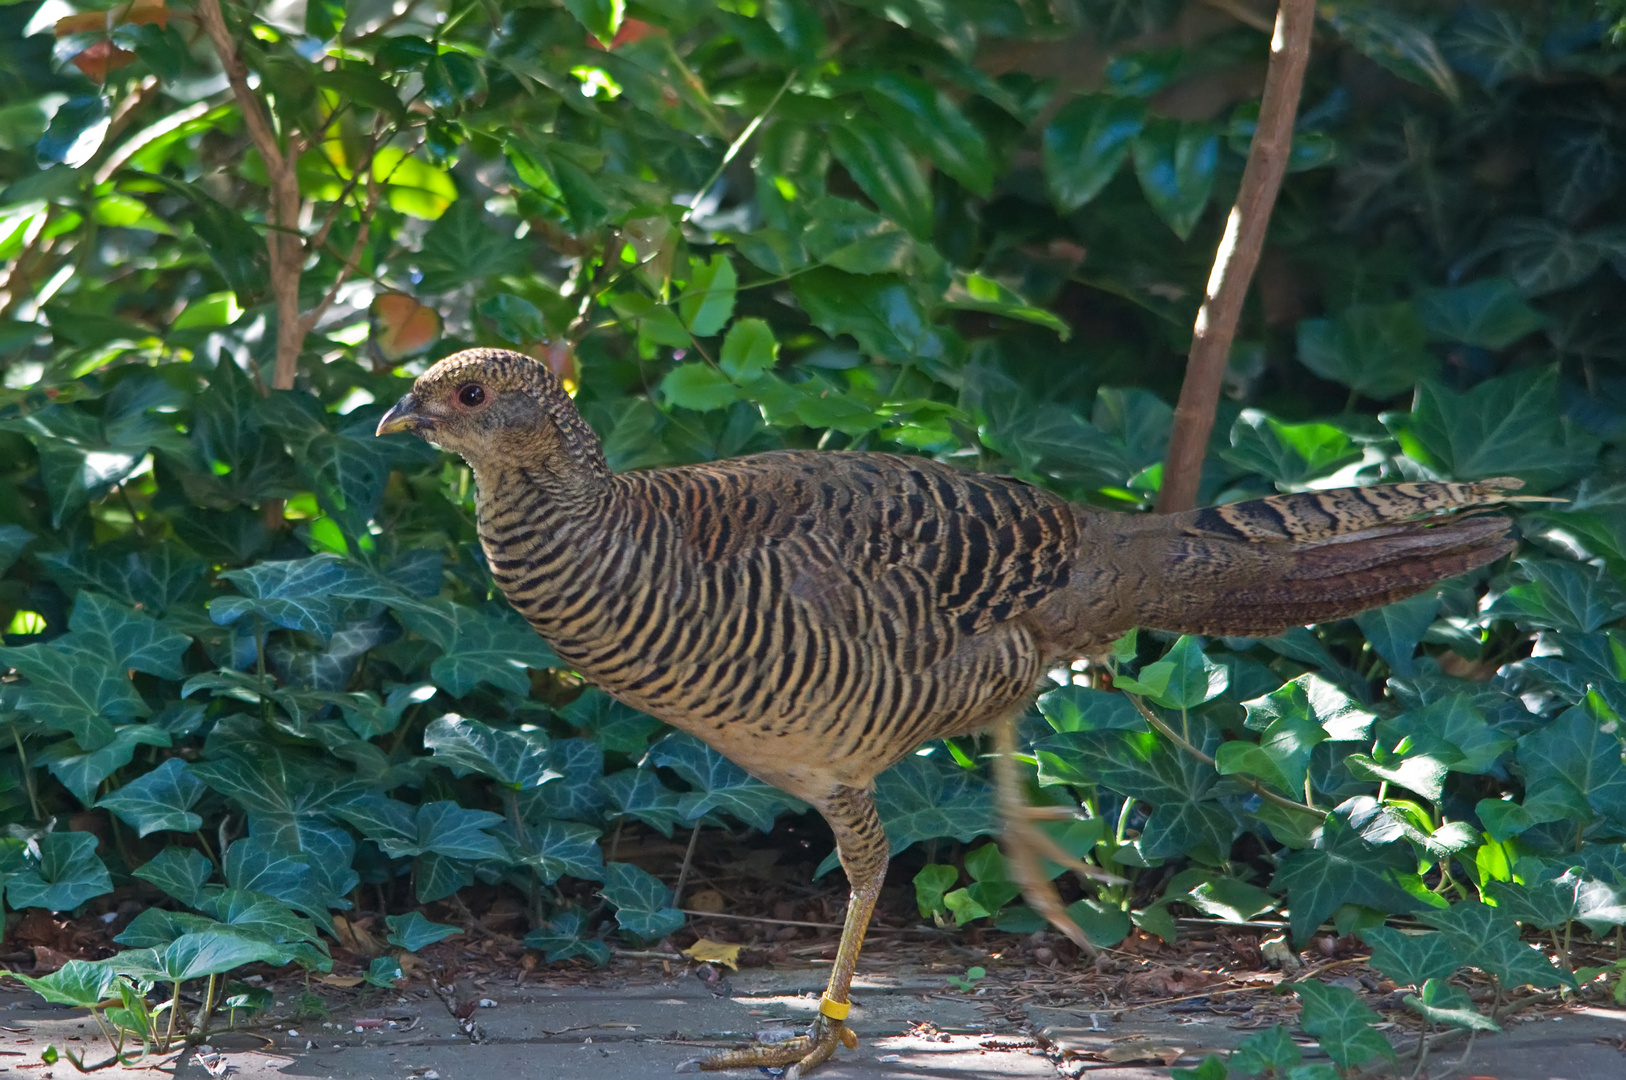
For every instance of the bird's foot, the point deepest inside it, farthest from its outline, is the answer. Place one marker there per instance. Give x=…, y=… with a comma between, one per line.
x=797, y=1055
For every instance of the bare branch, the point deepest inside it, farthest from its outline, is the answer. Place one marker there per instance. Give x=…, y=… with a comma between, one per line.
x=1237, y=257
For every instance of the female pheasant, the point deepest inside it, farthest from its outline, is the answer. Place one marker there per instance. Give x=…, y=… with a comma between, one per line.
x=816, y=616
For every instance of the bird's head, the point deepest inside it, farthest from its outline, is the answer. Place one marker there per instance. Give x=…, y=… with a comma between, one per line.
x=495, y=408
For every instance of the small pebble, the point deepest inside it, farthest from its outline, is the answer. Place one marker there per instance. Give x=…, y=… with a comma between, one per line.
x=292, y=1034
x=487, y=1003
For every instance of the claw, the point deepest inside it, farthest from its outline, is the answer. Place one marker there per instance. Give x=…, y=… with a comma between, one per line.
x=796, y=1055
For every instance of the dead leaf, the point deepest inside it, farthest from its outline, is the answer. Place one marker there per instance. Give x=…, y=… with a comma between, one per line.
x=47, y=960
x=707, y=951
x=345, y=981
x=357, y=938
x=1142, y=1051
x=707, y=900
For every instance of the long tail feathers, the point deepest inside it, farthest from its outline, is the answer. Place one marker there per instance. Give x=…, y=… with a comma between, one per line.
x=1255, y=568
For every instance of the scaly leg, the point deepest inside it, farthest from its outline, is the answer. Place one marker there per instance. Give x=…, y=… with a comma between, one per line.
x=863, y=850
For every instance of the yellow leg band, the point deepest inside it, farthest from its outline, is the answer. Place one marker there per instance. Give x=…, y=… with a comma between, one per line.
x=835, y=1010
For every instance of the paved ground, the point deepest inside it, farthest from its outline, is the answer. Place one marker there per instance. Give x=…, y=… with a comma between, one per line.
x=645, y=1026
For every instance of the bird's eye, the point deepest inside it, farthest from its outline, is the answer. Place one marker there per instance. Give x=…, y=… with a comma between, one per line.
x=472, y=396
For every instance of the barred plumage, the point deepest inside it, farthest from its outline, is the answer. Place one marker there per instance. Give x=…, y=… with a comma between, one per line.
x=815, y=616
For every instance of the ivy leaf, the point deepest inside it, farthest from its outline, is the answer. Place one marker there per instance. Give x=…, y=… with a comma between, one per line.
x=1541, y=256
x=1288, y=454
x=1443, y=1003
x=1394, y=40
x=1510, y=425
x=1183, y=679
x=1395, y=629
x=478, y=645
x=559, y=848
x=1563, y=596
x=160, y=799
x=1086, y=143
x=257, y=864
x=1574, y=765
x=1377, y=350
x=82, y=772
x=643, y=903
x=1341, y=869
x=923, y=798
x=1489, y=314
x=1458, y=722
x=383, y=972
x=639, y=793
x=515, y=759
x=79, y=984
x=564, y=938
x=1488, y=939
x=1411, y=959
x=885, y=170
x=1342, y=1023
x=215, y=952
x=575, y=796
x=65, y=874
x=79, y=460
x=1271, y=1051
x=445, y=828
x=718, y=783
x=297, y=594
x=617, y=727
x=70, y=691
x=462, y=247
x=1083, y=708
x=180, y=872
x=1175, y=162
x=412, y=931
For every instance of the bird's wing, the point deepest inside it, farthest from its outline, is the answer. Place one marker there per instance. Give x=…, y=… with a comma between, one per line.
x=908, y=551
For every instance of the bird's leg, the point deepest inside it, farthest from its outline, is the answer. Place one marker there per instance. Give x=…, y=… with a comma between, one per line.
x=863, y=849
x=1025, y=844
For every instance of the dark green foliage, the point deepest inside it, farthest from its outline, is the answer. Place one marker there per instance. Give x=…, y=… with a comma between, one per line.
x=226, y=605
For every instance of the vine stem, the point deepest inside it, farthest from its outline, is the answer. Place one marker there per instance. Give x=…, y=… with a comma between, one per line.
x=737, y=145
x=1237, y=257
x=1252, y=785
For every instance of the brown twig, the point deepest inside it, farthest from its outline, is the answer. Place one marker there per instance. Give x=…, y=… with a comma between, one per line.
x=285, y=248
x=1237, y=257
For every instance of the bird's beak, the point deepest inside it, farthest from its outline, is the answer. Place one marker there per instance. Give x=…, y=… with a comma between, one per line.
x=403, y=416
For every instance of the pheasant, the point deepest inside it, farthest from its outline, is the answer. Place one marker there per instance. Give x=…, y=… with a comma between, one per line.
x=815, y=616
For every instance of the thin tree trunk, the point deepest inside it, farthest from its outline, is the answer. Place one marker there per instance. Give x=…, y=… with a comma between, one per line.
x=1237, y=257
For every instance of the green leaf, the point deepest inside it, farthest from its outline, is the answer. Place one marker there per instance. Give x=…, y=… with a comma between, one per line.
x=1395, y=630
x=1270, y=1049
x=478, y=646
x=602, y=18
x=564, y=938
x=560, y=848
x=1513, y=425
x=927, y=119
x=65, y=875
x=1183, y=679
x=749, y=350
x=1489, y=313
x=515, y=759
x=78, y=984
x=1442, y=1003
x=180, y=872
x=1229, y=898
x=1086, y=143
x=1394, y=40
x=718, y=783
x=260, y=865
x=1083, y=708
x=639, y=793
x=881, y=313
x=616, y=727
x=127, y=639
x=462, y=247
x=1572, y=764
x=82, y=772
x=412, y=931
x=707, y=303
x=850, y=236
x=885, y=170
x=215, y=952
x=1336, y=1016
x=922, y=798
x=1562, y=596
x=160, y=799
x=1341, y=869
x=1213, y=1067
x=932, y=883
x=1457, y=722
x=643, y=903
x=383, y=971
x=1175, y=162
x=1488, y=939
x=1411, y=959
x=1377, y=350
x=1288, y=454
x=699, y=386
